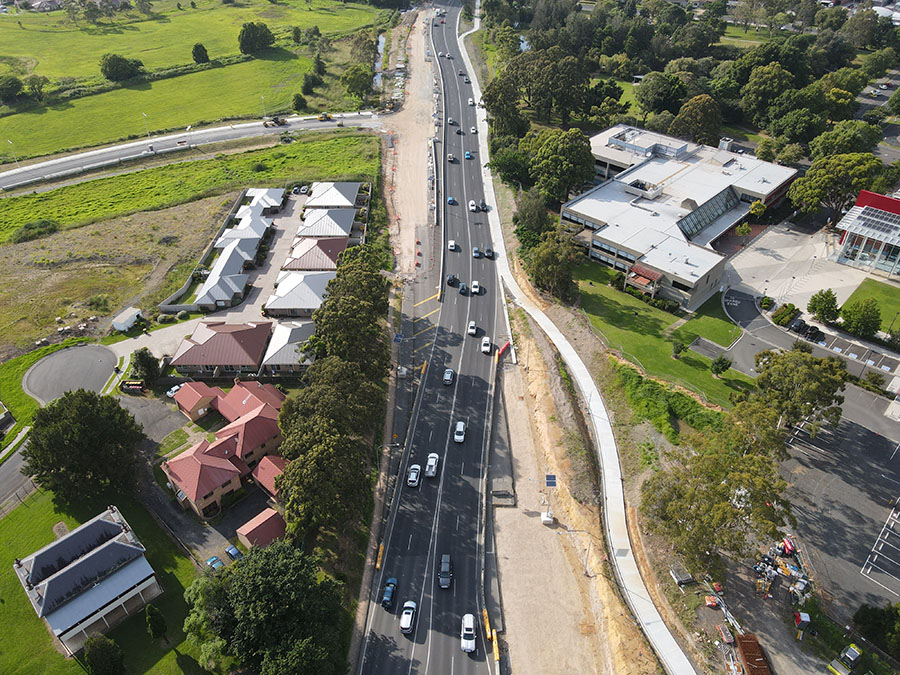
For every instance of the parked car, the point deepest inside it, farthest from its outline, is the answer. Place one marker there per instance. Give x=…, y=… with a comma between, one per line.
x=448, y=376
x=412, y=478
x=798, y=326
x=445, y=571
x=431, y=465
x=459, y=434
x=387, y=599
x=476, y=288
x=304, y=189
x=486, y=345
x=174, y=390
x=472, y=329
x=408, y=617
x=214, y=563
x=463, y=289
x=467, y=633
x=233, y=553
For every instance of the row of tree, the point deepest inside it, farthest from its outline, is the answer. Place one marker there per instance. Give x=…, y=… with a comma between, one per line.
x=861, y=317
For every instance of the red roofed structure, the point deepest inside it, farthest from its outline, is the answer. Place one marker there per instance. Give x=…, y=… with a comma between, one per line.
x=195, y=399
x=268, y=469
x=870, y=235
x=262, y=530
x=216, y=348
x=205, y=473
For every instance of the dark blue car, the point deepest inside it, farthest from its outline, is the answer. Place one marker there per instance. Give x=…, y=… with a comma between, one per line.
x=387, y=600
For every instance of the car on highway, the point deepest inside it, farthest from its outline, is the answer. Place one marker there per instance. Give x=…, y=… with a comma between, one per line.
x=174, y=390
x=451, y=200
x=408, y=617
x=458, y=131
x=431, y=465
x=473, y=130
x=468, y=155
x=459, y=434
x=489, y=253
x=483, y=206
x=475, y=252
x=442, y=21
x=214, y=562
x=387, y=598
x=450, y=121
x=467, y=633
x=412, y=478
x=472, y=329
x=463, y=289
x=452, y=280
x=461, y=71
x=476, y=288
x=233, y=553
x=473, y=207
x=445, y=571
x=471, y=101
x=466, y=79
x=451, y=157
x=441, y=54
x=449, y=55
x=451, y=244
x=486, y=345
x=448, y=376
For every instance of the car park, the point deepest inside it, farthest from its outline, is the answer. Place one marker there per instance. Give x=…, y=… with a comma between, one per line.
x=489, y=253
x=412, y=478
x=473, y=207
x=459, y=434
x=448, y=376
x=475, y=252
x=467, y=633
x=476, y=288
x=445, y=571
x=408, y=617
x=387, y=598
x=472, y=329
x=233, y=553
x=174, y=390
x=468, y=155
x=452, y=280
x=486, y=345
x=214, y=562
x=431, y=465
x=463, y=289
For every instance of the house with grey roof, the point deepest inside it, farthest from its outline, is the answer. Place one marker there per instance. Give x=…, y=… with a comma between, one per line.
x=326, y=223
x=90, y=580
x=297, y=294
x=285, y=356
x=310, y=254
x=226, y=282
x=337, y=196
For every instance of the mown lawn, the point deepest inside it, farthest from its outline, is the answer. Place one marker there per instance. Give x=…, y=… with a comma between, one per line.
x=27, y=646
x=735, y=35
x=710, y=322
x=887, y=296
x=314, y=157
x=637, y=330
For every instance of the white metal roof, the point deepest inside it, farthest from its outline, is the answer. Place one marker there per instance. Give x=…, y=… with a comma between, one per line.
x=326, y=223
x=288, y=338
x=299, y=290
x=332, y=195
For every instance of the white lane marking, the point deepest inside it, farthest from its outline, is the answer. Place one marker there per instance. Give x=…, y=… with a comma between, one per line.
x=430, y=434
x=462, y=470
x=409, y=543
x=895, y=451
x=457, y=523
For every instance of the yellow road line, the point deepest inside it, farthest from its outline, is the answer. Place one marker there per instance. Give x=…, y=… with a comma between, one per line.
x=424, y=330
x=422, y=302
x=425, y=316
x=427, y=344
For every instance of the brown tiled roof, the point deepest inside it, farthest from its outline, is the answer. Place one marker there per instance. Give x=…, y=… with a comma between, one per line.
x=251, y=430
x=201, y=469
x=247, y=396
x=646, y=272
x=216, y=343
x=191, y=393
x=267, y=470
x=264, y=528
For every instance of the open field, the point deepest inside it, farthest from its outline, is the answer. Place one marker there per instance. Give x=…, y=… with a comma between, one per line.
x=27, y=644
x=735, y=35
x=888, y=298
x=314, y=156
x=637, y=330
x=710, y=322
x=162, y=40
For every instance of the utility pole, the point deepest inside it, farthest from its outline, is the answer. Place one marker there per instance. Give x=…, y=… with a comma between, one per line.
x=12, y=149
x=146, y=127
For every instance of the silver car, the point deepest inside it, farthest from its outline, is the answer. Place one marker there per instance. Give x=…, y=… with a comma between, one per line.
x=431, y=466
x=412, y=478
x=408, y=617
x=467, y=633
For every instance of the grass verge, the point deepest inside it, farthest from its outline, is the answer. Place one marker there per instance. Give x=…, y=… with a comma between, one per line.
x=887, y=296
x=710, y=322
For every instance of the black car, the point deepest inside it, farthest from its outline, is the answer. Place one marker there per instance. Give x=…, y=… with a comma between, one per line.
x=483, y=206
x=458, y=131
x=452, y=280
x=798, y=326
x=489, y=253
x=814, y=335
x=463, y=289
x=445, y=573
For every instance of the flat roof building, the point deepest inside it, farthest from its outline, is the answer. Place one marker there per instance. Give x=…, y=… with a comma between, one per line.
x=870, y=234
x=668, y=202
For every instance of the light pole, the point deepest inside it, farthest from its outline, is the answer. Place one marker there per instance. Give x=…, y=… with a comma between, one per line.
x=263, y=98
x=889, y=329
x=146, y=127
x=12, y=149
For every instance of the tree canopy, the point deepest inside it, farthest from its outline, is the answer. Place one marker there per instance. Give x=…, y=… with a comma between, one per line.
x=823, y=305
x=559, y=161
x=862, y=317
x=847, y=136
x=102, y=656
x=834, y=182
x=699, y=120
x=117, y=68
x=255, y=36
x=357, y=80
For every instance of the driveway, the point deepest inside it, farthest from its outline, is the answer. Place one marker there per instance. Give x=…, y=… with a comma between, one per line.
x=79, y=367
x=156, y=417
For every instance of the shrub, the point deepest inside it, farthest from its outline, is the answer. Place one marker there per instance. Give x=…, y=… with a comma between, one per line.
x=299, y=103
x=165, y=318
x=258, y=166
x=99, y=303
x=182, y=315
x=34, y=230
x=784, y=314
x=766, y=302
x=116, y=67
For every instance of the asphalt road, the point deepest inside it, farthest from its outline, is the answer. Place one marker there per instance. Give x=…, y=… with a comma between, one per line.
x=443, y=514
x=103, y=157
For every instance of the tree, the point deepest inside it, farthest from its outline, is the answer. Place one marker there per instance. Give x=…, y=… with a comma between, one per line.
x=832, y=18
x=102, y=656
x=357, y=80
x=156, y=622
x=862, y=317
x=719, y=365
x=767, y=149
x=551, y=262
x=878, y=63
x=255, y=36
x=699, y=120
x=677, y=348
x=501, y=100
x=800, y=386
x=797, y=126
x=846, y=137
x=144, y=365
x=145, y=7
x=91, y=11
x=507, y=42
x=199, y=53
x=743, y=230
x=319, y=65
x=862, y=29
x=81, y=443
x=559, y=161
x=10, y=87
x=834, y=182
x=757, y=209
x=297, y=34
x=659, y=91
x=823, y=305
x=35, y=85
x=117, y=68
x=275, y=612
x=298, y=103
x=791, y=154
x=363, y=49
x=532, y=218
x=71, y=8
x=766, y=83
x=840, y=104
x=512, y=165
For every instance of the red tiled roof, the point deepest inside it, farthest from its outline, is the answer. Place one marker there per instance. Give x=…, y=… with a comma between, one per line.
x=191, y=393
x=878, y=201
x=646, y=272
x=264, y=528
x=268, y=468
x=247, y=396
x=197, y=471
x=216, y=343
x=251, y=430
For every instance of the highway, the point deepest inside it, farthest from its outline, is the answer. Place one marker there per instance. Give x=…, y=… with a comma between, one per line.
x=443, y=514
x=64, y=166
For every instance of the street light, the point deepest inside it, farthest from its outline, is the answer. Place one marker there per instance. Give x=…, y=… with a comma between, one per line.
x=13, y=151
x=146, y=128
x=889, y=329
x=263, y=98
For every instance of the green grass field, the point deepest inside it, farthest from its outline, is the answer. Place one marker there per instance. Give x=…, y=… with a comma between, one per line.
x=313, y=157
x=637, y=329
x=160, y=41
x=27, y=647
x=888, y=298
x=735, y=35
x=710, y=322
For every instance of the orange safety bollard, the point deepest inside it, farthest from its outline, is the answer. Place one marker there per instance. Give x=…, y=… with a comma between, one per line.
x=380, y=556
x=496, y=648
x=487, y=623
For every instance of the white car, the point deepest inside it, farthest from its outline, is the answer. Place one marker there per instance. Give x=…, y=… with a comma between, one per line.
x=471, y=101
x=408, y=617
x=440, y=54
x=476, y=288
x=473, y=207
x=412, y=478
x=486, y=345
x=174, y=390
x=451, y=245
x=473, y=130
x=472, y=329
x=431, y=465
x=467, y=633
x=450, y=121
x=459, y=434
